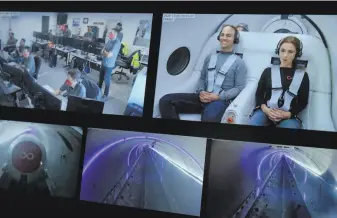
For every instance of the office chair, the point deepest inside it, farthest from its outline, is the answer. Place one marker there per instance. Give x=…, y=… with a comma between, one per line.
x=93, y=91
x=10, y=48
x=125, y=63
x=38, y=63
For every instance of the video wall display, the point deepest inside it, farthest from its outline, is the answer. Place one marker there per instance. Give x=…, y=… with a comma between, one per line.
x=249, y=179
x=259, y=70
x=39, y=159
x=274, y=70
x=84, y=62
x=144, y=170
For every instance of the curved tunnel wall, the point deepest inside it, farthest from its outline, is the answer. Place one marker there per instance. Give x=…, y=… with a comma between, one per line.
x=324, y=162
x=162, y=166
x=195, y=146
x=236, y=171
x=63, y=172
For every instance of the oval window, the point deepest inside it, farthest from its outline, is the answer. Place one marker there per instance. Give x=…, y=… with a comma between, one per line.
x=178, y=61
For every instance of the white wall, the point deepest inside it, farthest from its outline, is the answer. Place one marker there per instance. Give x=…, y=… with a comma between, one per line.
x=130, y=24
x=24, y=25
x=4, y=30
x=27, y=22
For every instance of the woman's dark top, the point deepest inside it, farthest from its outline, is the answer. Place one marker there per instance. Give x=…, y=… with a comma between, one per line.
x=263, y=92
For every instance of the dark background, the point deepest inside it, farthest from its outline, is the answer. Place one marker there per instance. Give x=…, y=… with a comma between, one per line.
x=31, y=206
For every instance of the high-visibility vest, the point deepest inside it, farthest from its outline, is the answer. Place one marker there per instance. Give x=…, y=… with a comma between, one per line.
x=125, y=49
x=135, y=60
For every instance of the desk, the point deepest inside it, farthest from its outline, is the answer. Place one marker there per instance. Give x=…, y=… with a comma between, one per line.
x=144, y=63
x=67, y=51
x=41, y=43
x=137, y=94
x=93, y=64
x=13, y=89
x=63, y=99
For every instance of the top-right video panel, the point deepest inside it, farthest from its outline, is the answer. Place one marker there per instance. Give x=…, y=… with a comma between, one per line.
x=260, y=70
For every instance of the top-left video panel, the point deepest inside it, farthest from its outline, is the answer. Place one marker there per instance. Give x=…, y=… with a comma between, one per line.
x=83, y=62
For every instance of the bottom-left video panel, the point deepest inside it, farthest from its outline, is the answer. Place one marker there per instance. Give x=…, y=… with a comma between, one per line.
x=39, y=159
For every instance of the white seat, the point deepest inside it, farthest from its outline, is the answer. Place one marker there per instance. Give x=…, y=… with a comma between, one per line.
x=257, y=57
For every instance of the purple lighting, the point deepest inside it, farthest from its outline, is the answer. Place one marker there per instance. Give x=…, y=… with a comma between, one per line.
x=100, y=152
x=135, y=146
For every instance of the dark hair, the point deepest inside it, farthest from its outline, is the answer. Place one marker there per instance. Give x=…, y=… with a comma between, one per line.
x=119, y=24
x=23, y=40
x=236, y=32
x=27, y=48
x=74, y=73
x=293, y=40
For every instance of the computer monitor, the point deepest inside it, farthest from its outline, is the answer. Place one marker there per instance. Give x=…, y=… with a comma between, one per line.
x=66, y=41
x=14, y=73
x=35, y=34
x=3, y=59
x=96, y=50
x=87, y=46
x=100, y=40
x=42, y=98
x=27, y=82
x=39, y=35
x=44, y=36
x=77, y=43
x=84, y=105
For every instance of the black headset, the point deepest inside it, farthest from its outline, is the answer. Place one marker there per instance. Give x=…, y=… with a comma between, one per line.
x=236, y=34
x=298, y=53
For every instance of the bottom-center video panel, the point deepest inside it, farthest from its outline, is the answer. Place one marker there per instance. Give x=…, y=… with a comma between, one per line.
x=144, y=170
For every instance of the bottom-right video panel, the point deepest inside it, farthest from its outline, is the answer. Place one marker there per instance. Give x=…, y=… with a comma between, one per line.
x=249, y=179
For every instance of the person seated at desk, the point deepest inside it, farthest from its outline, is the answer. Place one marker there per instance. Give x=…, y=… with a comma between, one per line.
x=11, y=42
x=18, y=56
x=28, y=61
x=89, y=35
x=73, y=84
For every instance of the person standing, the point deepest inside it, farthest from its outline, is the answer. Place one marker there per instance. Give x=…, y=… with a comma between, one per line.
x=110, y=53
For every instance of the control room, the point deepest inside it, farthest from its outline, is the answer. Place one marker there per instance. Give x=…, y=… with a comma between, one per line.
x=92, y=63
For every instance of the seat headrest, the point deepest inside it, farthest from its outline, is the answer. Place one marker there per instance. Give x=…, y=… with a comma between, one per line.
x=299, y=63
x=269, y=41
